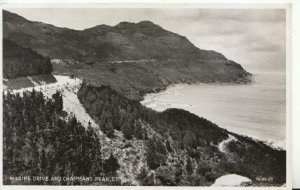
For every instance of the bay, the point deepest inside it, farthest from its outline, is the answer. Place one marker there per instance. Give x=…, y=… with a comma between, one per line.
x=257, y=110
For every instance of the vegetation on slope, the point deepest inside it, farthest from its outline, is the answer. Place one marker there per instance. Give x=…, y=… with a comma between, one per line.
x=132, y=58
x=21, y=62
x=182, y=148
x=39, y=141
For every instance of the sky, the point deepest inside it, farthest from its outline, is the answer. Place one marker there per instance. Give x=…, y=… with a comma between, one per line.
x=254, y=38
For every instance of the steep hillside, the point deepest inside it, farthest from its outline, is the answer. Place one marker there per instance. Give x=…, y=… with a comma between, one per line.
x=23, y=67
x=144, y=147
x=146, y=40
x=176, y=147
x=21, y=62
x=125, y=41
x=133, y=58
x=44, y=145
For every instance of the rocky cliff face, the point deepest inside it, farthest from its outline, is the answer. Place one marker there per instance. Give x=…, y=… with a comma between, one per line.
x=133, y=58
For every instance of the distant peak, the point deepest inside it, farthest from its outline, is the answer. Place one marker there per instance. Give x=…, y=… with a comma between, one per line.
x=146, y=22
x=101, y=26
x=141, y=23
x=124, y=24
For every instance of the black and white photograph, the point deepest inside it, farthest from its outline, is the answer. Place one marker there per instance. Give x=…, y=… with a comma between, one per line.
x=143, y=96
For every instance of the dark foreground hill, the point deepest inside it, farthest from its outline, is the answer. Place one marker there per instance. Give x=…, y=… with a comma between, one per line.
x=133, y=58
x=181, y=148
x=19, y=63
x=42, y=144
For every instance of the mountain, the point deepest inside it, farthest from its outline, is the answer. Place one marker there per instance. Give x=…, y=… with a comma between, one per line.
x=125, y=41
x=132, y=58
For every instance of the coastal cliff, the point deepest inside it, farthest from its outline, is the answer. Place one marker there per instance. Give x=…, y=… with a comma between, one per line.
x=132, y=58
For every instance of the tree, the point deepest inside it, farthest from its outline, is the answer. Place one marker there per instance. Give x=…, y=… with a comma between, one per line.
x=189, y=166
x=127, y=130
x=189, y=139
x=48, y=67
x=109, y=130
x=58, y=101
x=168, y=146
x=156, y=153
x=33, y=94
x=111, y=164
x=43, y=162
x=138, y=130
x=152, y=158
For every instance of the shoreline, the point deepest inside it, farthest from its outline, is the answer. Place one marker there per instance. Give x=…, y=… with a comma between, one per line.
x=172, y=90
x=249, y=80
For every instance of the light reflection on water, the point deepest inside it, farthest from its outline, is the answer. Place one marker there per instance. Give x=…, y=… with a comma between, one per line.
x=257, y=110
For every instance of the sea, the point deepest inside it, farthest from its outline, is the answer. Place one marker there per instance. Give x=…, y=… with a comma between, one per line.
x=257, y=110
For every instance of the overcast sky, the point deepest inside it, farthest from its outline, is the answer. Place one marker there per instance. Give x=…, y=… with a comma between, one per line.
x=255, y=38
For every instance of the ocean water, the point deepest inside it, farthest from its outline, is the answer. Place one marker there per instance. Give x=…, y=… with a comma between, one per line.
x=256, y=110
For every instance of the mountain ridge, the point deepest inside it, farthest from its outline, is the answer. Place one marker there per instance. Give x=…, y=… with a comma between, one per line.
x=158, y=58
x=142, y=26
